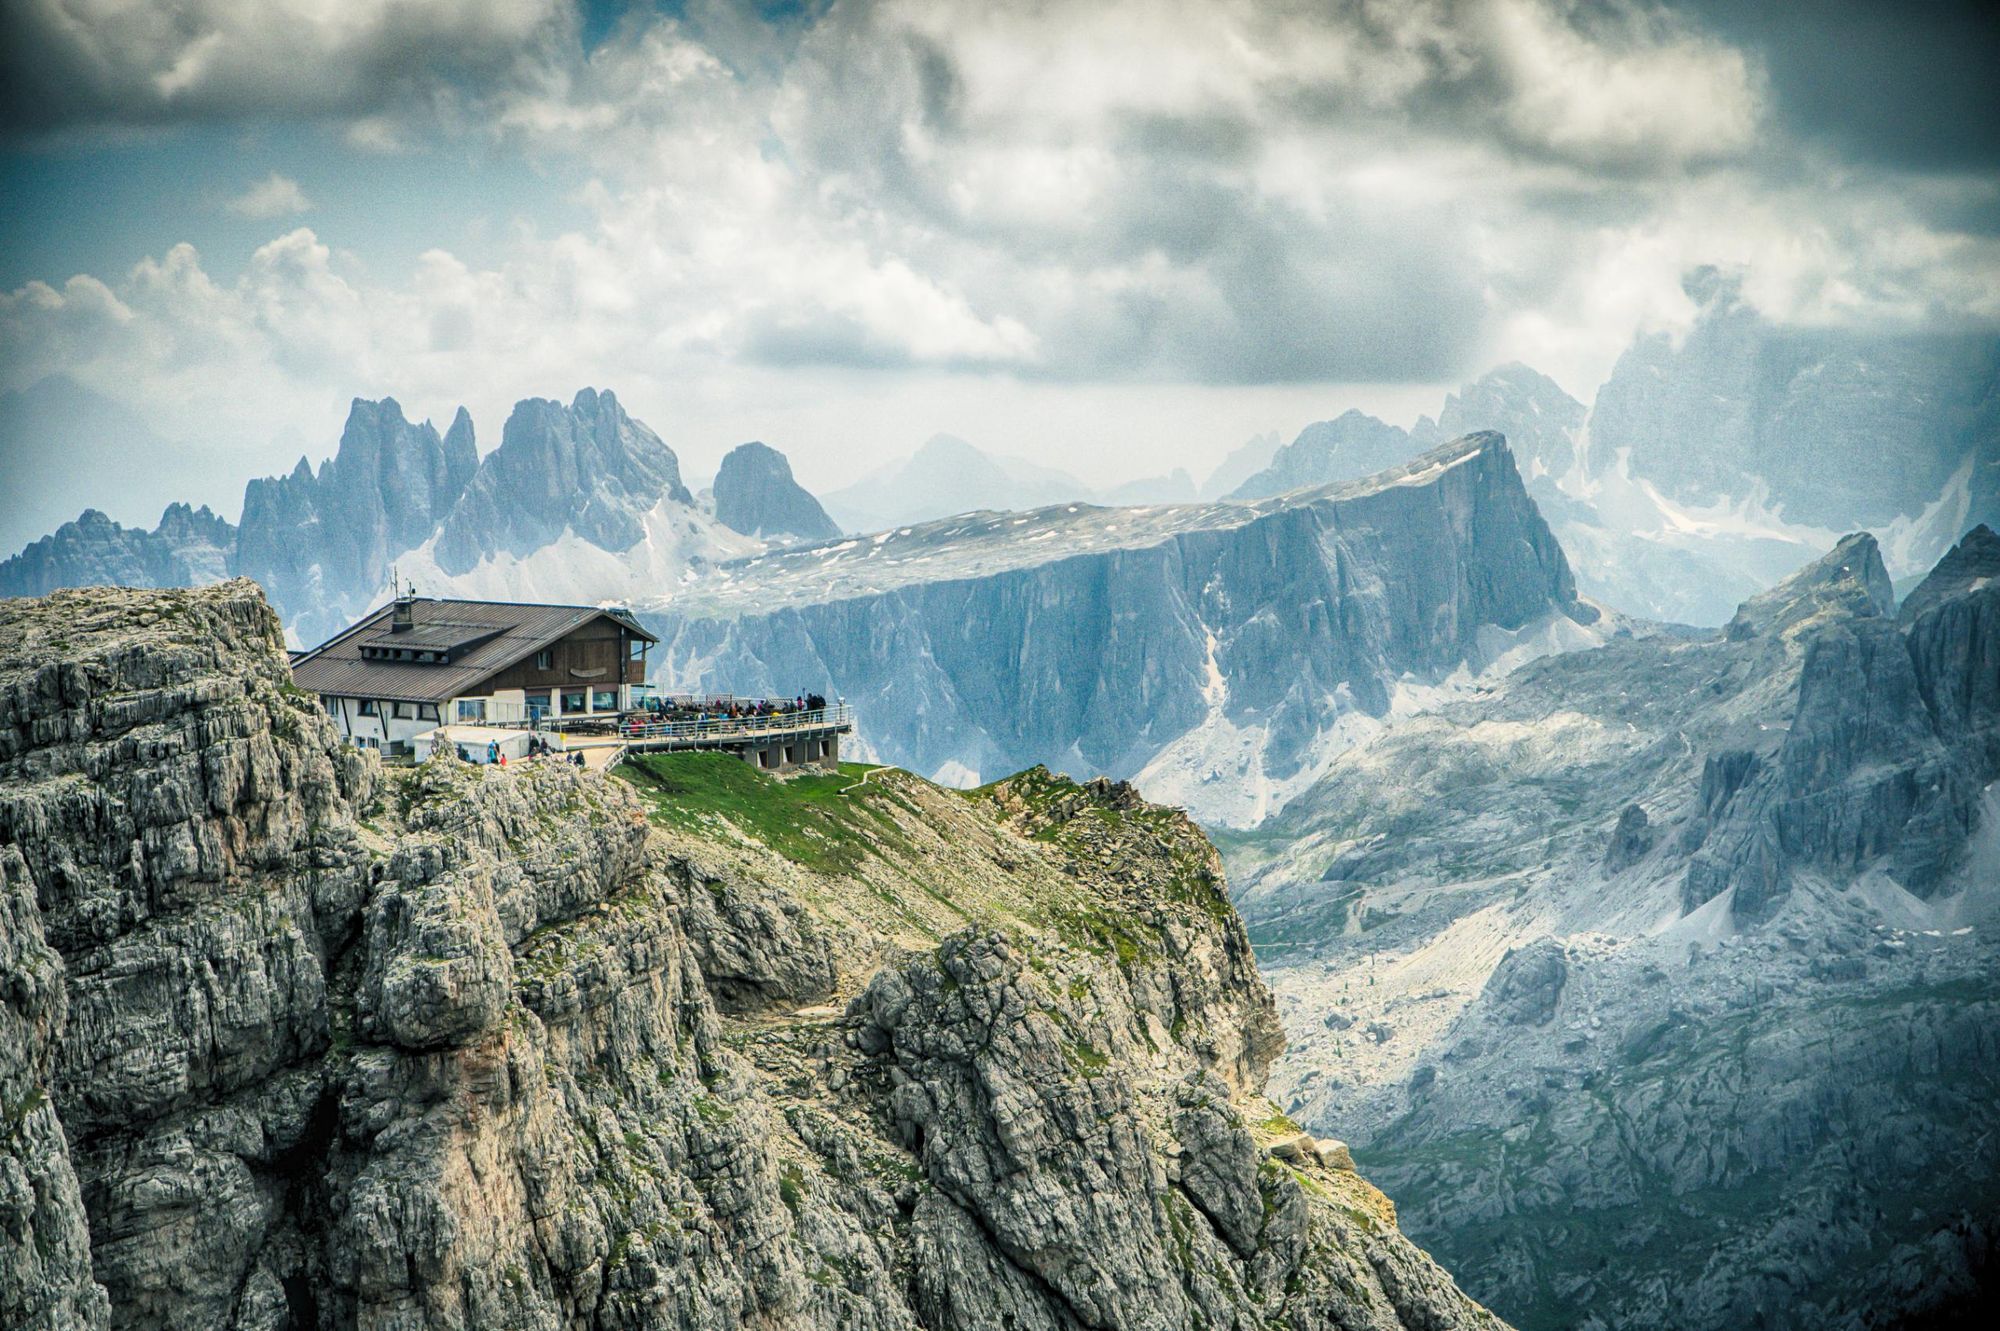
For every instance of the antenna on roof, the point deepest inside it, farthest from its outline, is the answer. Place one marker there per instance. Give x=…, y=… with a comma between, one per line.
x=402, y=618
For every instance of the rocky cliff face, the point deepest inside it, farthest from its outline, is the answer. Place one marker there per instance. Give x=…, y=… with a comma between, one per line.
x=1665, y=972
x=1834, y=428
x=1889, y=748
x=190, y=547
x=322, y=543
x=1219, y=652
x=587, y=468
x=756, y=495
x=287, y=1040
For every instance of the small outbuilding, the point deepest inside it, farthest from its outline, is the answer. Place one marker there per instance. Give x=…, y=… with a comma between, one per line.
x=477, y=744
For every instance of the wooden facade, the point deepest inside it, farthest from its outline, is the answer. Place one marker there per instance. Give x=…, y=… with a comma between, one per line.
x=601, y=654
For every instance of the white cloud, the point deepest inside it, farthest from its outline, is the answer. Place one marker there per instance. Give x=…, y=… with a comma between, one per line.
x=273, y=196
x=895, y=206
x=1653, y=94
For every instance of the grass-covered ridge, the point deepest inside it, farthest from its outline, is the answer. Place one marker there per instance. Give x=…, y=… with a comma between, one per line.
x=804, y=817
x=1087, y=865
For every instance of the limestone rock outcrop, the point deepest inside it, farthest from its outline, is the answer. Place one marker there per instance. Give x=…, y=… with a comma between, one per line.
x=321, y=543
x=288, y=1040
x=1890, y=746
x=587, y=468
x=756, y=495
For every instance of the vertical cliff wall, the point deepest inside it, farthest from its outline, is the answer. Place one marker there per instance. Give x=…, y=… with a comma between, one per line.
x=1094, y=639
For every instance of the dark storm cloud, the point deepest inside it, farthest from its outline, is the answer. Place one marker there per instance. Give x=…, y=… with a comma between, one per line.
x=66, y=64
x=1580, y=85
x=1907, y=84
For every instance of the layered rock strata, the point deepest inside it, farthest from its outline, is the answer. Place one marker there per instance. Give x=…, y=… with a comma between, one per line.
x=291, y=1041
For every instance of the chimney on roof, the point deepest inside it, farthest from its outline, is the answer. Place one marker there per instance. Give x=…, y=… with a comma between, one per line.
x=404, y=617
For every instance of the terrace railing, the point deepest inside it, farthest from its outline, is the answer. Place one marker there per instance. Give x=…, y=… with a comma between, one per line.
x=736, y=729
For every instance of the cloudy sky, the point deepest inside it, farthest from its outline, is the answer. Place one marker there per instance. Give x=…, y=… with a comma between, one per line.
x=1115, y=237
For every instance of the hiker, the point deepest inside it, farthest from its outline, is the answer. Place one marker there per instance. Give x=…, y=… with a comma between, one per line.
x=492, y=750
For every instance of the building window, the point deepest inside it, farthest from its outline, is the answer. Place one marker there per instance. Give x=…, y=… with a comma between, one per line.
x=472, y=709
x=572, y=700
x=368, y=707
x=538, y=705
x=638, y=649
x=332, y=705
x=405, y=710
x=427, y=711
x=545, y=659
x=605, y=700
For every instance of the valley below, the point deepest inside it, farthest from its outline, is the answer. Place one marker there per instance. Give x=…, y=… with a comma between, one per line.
x=1658, y=981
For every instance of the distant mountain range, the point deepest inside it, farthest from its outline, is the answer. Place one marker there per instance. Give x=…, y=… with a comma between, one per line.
x=1713, y=463
x=949, y=476
x=1218, y=653
x=1710, y=465
x=579, y=502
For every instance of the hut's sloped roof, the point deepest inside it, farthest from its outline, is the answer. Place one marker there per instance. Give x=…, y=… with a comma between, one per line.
x=512, y=632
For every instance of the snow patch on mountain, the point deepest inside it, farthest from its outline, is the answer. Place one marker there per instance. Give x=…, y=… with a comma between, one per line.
x=678, y=542
x=1218, y=769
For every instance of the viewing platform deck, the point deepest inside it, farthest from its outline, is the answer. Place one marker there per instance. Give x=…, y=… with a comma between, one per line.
x=777, y=742
x=733, y=732
x=773, y=740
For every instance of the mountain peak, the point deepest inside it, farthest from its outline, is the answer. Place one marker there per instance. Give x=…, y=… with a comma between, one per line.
x=756, y=494
x=1973, y=563
x=1348, y=447
x=948, y=448
x=1850, y=581
x=587, y=468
